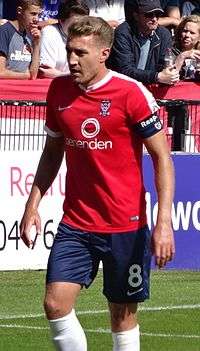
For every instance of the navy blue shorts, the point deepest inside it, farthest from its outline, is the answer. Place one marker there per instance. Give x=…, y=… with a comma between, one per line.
x=126, y=259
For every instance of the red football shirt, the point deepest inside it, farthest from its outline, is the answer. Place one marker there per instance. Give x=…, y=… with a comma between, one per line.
x=104, y=186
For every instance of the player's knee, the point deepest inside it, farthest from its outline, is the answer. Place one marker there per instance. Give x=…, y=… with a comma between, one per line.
x=52, y=308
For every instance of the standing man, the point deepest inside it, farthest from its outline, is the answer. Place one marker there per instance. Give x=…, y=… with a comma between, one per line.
x=20, y=42
x=140, y=44
x=100, y=120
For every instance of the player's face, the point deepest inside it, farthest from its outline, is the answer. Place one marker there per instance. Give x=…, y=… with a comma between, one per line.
x=86, y=59
x=29, y=17
x=190, y=35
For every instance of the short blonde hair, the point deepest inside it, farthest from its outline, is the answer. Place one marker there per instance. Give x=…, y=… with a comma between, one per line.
x=179, y=29
x=89, y=25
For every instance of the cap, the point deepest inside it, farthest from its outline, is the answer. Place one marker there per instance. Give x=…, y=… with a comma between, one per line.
x=145, y=6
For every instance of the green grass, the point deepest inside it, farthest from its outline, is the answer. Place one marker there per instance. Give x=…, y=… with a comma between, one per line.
x=176, y=327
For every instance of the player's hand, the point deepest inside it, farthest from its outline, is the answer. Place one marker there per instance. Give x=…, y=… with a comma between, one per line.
x=163, y=246
x=30, y=218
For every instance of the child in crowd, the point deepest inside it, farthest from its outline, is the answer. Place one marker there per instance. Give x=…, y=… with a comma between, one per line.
x=20, y=42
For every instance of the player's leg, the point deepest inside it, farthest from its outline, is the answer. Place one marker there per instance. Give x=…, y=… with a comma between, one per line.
x=126, y=283
x=67, y=333
x=124, y=326
x=70, y=267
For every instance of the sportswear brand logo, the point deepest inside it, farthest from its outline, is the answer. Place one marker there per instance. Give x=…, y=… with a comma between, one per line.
x=134, y=218
x=130, y=293
x=60, y=108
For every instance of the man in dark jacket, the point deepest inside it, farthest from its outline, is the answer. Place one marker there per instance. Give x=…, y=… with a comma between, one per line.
x=140, y=44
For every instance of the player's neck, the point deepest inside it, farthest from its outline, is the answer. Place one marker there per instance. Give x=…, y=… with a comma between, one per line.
x=100, y=76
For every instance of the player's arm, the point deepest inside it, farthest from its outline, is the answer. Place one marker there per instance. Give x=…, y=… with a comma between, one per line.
x=47, y=170
x=162, y=238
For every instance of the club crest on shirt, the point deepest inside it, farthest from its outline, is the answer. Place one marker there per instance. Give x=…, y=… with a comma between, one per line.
x=105, y=107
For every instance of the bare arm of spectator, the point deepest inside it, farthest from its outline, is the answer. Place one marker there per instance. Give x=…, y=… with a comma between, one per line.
x=35, y=61
x=49, y=72
x=8, y=74
x=172, y=17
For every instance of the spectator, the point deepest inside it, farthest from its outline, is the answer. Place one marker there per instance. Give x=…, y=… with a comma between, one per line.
x=53, y=57
x=140, y=45
x=187, y=46
x=47, y=16
x=191, y=7
x=110, y=11
x=171, y=17
x=20, y=42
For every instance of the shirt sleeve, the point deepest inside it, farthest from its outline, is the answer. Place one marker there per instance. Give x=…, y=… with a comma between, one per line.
x=140, y=103
x=51, y=126
x=142, y=110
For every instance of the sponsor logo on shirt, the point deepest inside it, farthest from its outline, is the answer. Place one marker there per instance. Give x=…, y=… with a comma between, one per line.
x=90, y=128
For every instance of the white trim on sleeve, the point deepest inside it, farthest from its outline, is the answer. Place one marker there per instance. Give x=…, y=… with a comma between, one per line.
x=52, y=133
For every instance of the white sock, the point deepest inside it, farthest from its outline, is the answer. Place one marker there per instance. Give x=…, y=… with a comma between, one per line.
x=127, y=340
x=68, y=334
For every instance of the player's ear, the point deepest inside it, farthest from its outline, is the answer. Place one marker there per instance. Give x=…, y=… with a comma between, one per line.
x=105, y=52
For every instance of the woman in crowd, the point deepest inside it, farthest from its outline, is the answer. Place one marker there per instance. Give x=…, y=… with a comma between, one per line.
x=53, y=56
x=187, y=47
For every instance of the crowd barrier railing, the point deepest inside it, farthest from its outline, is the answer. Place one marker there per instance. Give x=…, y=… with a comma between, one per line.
x=22, y=124
x=181, y=121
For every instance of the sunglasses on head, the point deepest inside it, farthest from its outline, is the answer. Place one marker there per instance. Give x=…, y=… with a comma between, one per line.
x=152, y=14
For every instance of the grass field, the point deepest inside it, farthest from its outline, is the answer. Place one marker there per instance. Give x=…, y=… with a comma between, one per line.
x=169, y=321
